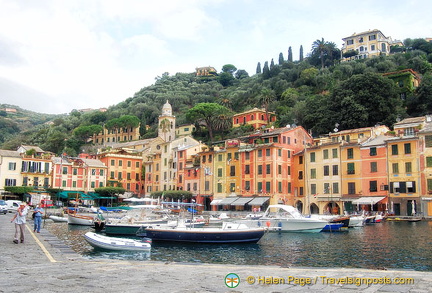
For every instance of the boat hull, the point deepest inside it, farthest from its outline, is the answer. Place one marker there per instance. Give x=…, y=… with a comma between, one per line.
x=58, y=219
x=287, y=225
x=207, y=235
x=113, y=243
x=83, y=220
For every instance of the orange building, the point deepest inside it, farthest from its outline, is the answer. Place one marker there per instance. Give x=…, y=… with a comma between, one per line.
x=255, y=117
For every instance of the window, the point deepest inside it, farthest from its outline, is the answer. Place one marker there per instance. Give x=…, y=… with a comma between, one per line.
x=65, y=170
x=93, y=172
x=112, y=162
x=289, y=187
x=12, y=166
x=137, y=164
x=327, y=188
x=74, y=171
x=429, y=185
x=351, y=188
x=300, y=176
x=395, y=168
x=289, y=170
x=300, y=160
x=372, y=47
x=350, y=42
x=280, y=187
x=232, y=171
x=220, y=158
x=326, y=170
x=335, y=187
x=112, y=175
x=410, y=186
x=268, y=152
x=259, y=185
x=119, y=177
x=373, y=186
x=351, y=168
x=373, y=151
x=325, y=154
x=279, y=153
x=372, y=37
x=10, y=182
x=247, y=185
x=350, y=153
x=232, y=187
x=335, y=170
x=207, y=185
x=428, y=141
x=247, y=169
x=313, y=175
x=373, y=167
x=335, y=153
x=219, y=187
x=395, y=149
x=280, y=169
x=259, y=153
x=312, y=157
x=247, y=156
x=408, y=167
x=428, y=161
x=128, y=176
x=64, y=183
x=260, y=169
x=93, y=184
x=268, y=169
x=313, y=188
x=129, y=164
x=268, y=188
x=407, y=148
x=219, y=172
x=120, y=163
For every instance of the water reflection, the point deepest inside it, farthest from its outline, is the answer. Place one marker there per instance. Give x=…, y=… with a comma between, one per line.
x=388, y=245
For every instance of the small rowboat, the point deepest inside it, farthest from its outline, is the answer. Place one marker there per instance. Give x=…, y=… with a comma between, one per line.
x=58, y=219
x=114, y=243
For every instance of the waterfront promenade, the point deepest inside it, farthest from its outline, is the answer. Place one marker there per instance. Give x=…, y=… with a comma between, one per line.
x=45, y=264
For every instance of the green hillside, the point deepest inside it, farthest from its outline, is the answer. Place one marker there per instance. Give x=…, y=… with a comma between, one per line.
x=317, y=93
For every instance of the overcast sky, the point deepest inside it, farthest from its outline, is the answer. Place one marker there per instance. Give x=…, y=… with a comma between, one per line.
x=56, y=56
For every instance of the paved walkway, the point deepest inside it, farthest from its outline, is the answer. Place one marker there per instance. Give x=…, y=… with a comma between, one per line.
x=45, y=264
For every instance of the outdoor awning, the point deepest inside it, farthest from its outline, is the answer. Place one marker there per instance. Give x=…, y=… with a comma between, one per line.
x=368, y=200
x=228, y=200
x=215, y=202
x=241, y=201
x=258, y=201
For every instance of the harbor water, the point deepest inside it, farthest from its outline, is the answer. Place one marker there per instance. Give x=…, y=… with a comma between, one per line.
x=386, y=245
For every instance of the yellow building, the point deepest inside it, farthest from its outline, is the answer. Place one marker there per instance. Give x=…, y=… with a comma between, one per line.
x=367, y=44
x=323, y=179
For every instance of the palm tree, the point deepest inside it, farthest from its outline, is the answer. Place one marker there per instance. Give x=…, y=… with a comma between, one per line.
x=320, y=47
x=266, y=97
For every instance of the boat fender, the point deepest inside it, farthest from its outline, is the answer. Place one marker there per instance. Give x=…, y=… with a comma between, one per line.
x=259, y=224
x=268, y=224
x=280, y=224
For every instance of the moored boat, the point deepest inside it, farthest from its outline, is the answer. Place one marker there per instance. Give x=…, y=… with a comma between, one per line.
x=58, y=218
x=228, y=233
x=79, y=219
x=285, y=218
x=114, y=243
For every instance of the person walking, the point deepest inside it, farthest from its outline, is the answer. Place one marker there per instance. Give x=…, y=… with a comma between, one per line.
x=20, y=220
x=37, y=212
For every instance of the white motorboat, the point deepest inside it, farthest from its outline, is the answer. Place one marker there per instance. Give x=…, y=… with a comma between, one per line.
x=356, y=221
x=286, y=218
x=58, y=219
x=114, y=243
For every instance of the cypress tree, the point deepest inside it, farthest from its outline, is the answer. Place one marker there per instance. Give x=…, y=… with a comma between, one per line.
x=271, y=64
x=281, y=59
x=258, y=69
x=266, y=70
x=301, y=53
x=290, y=56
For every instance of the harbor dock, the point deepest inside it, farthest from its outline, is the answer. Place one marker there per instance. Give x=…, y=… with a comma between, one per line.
x=44, y=263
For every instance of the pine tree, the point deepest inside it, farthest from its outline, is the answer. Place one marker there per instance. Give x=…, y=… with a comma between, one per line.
x=281, y=58
x=290, y=56
x=301, y=53
x=258, y=69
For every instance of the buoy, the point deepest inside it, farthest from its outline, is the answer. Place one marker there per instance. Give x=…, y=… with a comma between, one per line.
x=268, y=224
